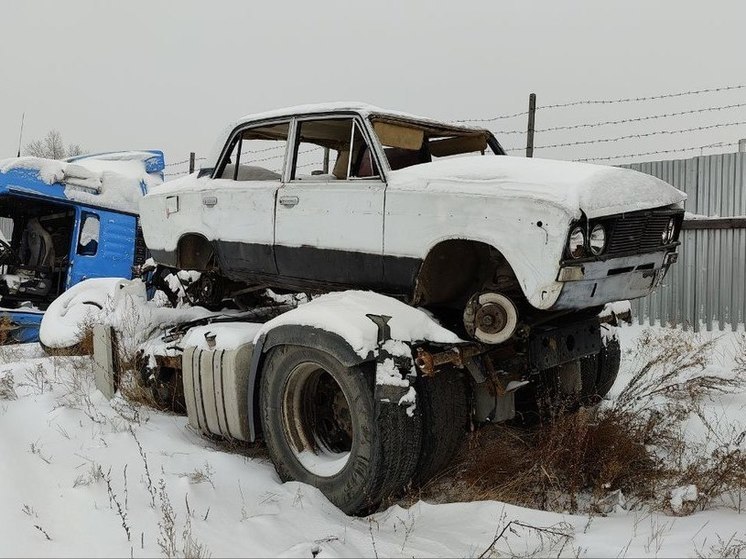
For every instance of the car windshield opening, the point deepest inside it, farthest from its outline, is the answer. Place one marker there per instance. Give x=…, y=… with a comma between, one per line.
x=407, y=143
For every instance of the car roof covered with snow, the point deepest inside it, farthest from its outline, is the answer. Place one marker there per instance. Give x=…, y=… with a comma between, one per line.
x=114, y=180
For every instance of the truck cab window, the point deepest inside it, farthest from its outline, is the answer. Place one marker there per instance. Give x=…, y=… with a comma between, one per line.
x=89, y=233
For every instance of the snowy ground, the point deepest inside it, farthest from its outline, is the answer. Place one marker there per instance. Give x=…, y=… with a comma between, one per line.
x=81, y=476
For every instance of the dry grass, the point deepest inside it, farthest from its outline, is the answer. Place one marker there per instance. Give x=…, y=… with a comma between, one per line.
x=628, y=451
x=5, y=329
x=84, y=346
x=577, y=459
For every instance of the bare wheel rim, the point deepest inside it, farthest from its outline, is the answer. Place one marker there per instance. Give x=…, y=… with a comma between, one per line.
x=316, y=417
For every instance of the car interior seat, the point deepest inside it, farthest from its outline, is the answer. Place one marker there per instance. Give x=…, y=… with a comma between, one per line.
x=37, y=245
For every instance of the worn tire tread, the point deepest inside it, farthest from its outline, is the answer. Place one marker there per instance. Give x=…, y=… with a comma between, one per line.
x=444, y=407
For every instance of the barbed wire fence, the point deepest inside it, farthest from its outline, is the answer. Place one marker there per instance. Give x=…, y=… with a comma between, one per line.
x=536, y=112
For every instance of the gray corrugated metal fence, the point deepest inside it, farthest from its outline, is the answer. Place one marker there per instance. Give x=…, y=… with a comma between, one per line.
x=706, y=288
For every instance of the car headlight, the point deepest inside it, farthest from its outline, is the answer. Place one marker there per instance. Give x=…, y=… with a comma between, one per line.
x=597, y=240
x=669, y=232
x=576, y=244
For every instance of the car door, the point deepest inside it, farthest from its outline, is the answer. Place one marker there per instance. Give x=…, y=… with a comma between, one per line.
x=239, y=203
x=329, y=215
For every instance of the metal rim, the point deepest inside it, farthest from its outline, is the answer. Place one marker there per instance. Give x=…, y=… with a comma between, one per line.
x=504, y=318
x=317, y=421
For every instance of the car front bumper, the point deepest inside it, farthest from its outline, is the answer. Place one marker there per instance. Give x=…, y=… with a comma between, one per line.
x=603, y=281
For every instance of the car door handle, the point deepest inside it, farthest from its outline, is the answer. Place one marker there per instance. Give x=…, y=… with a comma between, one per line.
x=289, y=201
x=209, y=201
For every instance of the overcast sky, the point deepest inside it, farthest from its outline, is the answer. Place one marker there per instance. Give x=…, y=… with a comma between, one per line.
x=171, y=74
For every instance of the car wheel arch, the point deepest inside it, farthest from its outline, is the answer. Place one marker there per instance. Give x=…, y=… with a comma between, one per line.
x=194, y=252
x=461, y=266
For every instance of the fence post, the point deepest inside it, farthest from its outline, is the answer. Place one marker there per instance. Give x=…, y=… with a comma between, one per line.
x=191, y=162
x=531, y=119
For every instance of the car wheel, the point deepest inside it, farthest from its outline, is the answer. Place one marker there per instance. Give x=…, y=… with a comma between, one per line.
x=444, y=409
x=323, y=426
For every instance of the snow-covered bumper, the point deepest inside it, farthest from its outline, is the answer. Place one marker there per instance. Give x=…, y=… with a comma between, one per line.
x=604, y=281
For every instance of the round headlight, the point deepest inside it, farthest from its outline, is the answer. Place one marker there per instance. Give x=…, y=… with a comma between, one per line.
x=669, y=231
x=576, y=244
x=597, y=240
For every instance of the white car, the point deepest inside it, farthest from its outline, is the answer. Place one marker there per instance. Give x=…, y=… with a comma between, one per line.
x=346, y=195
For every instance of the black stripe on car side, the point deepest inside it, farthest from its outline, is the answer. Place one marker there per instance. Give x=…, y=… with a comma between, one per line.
x=309, y=267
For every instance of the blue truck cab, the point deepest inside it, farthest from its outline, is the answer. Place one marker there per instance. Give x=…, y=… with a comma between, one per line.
x=62, y=222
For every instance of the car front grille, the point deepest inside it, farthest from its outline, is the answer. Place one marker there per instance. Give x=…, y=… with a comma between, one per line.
x=639, y=232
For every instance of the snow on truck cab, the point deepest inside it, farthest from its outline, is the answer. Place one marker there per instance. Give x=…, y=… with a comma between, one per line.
x=64, y=222
x=346, y=195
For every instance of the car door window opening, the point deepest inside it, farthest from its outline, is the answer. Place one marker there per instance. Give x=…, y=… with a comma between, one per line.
x=330, y=149
x=256, y=154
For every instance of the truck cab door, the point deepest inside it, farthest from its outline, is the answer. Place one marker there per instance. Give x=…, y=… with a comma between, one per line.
x=102, y=245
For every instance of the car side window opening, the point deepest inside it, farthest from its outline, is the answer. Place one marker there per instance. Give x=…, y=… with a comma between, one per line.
x=89, y=234
x=256, y=154
x=408, y=143
x=332, y=149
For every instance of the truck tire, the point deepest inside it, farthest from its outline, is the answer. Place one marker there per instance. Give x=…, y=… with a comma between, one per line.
x=589, y=380
x=444, y=409
x=544, y=399
x=323, y=426
x=609, y=361
x=599, y=372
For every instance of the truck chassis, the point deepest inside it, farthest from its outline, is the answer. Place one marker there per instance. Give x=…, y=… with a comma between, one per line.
x=361, y=427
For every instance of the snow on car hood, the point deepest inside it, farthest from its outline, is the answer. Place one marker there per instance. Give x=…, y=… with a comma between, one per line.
x=597, y=190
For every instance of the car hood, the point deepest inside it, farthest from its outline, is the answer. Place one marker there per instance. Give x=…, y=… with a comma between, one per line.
x=597, y=190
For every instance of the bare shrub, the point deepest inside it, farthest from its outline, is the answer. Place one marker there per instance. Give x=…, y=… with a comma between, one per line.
x=732, y=547
x=114, y=501
x=76, y=379
x=718, y=475
x=94, y=474
x=36, y=448
x=672, y=371
x=200, y=475
x=191, y=547
x=7, y=387
x=36, y=379
x=134, y=391
x=166, y=524
x=550, y=540
x=588, y=454
x=168, y=538
x=632, y=449
x=5, y=330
